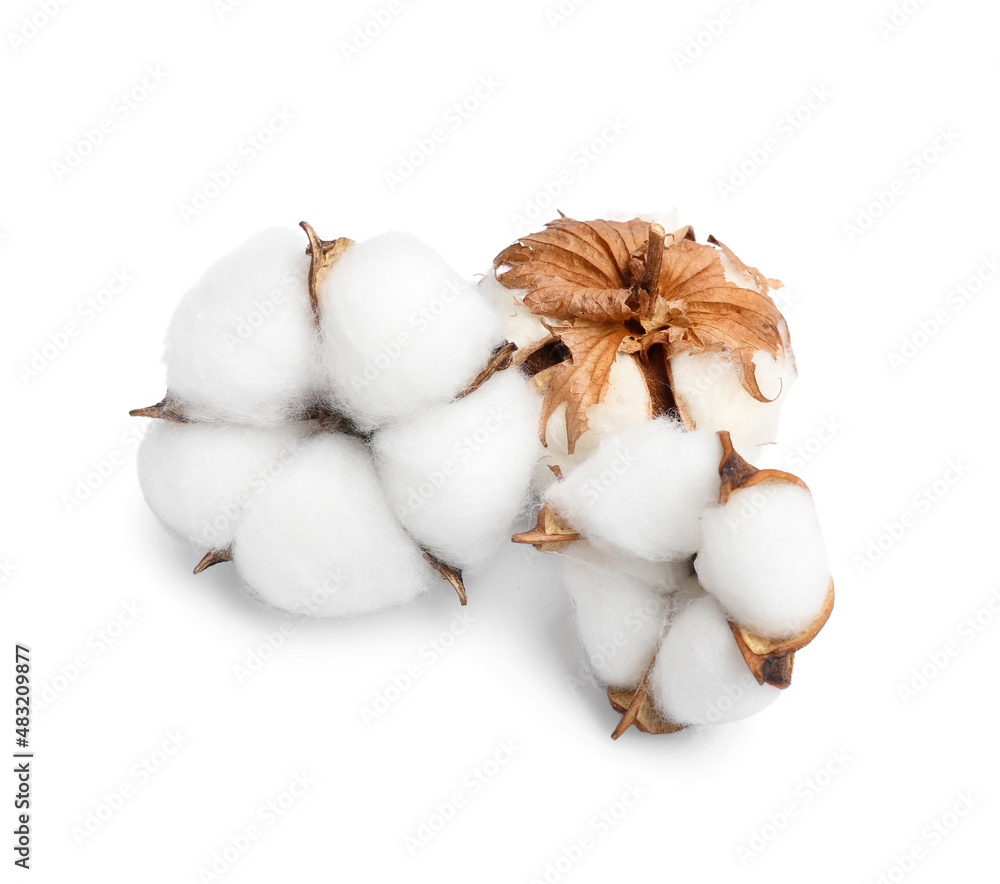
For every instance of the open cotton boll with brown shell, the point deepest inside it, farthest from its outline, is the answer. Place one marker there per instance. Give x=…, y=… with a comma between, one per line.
x=401, y=331
x=763, y=557
x=198, y=477
x=643, y=492
x=242, y=345
x=321, y=539
x=610, y=292
x=458, y=476
x=700, y=677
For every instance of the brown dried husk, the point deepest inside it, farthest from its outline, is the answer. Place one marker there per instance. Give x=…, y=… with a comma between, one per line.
x=602, y=288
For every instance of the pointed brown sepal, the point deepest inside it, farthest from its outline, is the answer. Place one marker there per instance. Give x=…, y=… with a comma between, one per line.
x=500, y=360
x=737, y=473
x=549, y=534
x=452, y=575
x=637, y=709
x=160, y=411
x=770, y=660
x=323, y=254
x=213, y=557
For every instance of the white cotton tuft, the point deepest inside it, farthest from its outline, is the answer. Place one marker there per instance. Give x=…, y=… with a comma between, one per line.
x=242, y=345
x=700, y=676
x=401, y=331
x=520, y=325
x=626, y=404
x=458, y=476
x=620, y=609
x=709, y=389
x=763, y=558
x=643, y=492
x=197, y=477
x=320, y=539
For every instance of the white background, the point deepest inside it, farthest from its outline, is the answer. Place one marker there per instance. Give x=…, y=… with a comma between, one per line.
x=680, y=125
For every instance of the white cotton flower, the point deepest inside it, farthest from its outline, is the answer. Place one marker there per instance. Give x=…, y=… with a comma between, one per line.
x=458, y=475
x=700, y=676
x=197, y=478
x=714, y=398
x=762, y=556
x=242, y=345
x=620, y=608
x=321, y=539
x=400, y=330
x=643, y=492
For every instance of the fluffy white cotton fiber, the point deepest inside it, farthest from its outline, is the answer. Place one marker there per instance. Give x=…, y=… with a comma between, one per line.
x=242, y=344
x=198, y=477
x=643, y=492
x=625, y=405
x=763, y=558
x=620, y=609
x=458, y=476
x=520, y=325
x=708, y=387
x=700, y=676
x=320, y=538
x=400, y=330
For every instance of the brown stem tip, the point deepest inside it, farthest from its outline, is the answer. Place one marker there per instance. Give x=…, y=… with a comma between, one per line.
x=452, y=575
x=160, y=411
x=323, y=254
x=213, y=557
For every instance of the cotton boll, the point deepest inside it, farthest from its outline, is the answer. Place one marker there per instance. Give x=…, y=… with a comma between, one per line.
x=619, y=620
x=625, y=405
x=763, y=558
x=642, y=492
x=197, y=477
x=401, y=332
x=700, y=676
x=458, y=476
x=708, y=388
x=242, y=344
x=321, y=539
x=520, y=325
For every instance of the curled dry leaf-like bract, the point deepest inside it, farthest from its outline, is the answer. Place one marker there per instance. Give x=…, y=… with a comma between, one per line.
x=769, y=660
x=604, y=288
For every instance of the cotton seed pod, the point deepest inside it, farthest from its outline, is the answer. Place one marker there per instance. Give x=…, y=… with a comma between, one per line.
x=320, y=538
x=197, y=478
x=700, y=677
x=752, y=574
x=764, y=559
x=401, y=332
x=611, y=292
x=458, y=476
x=242, y=345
